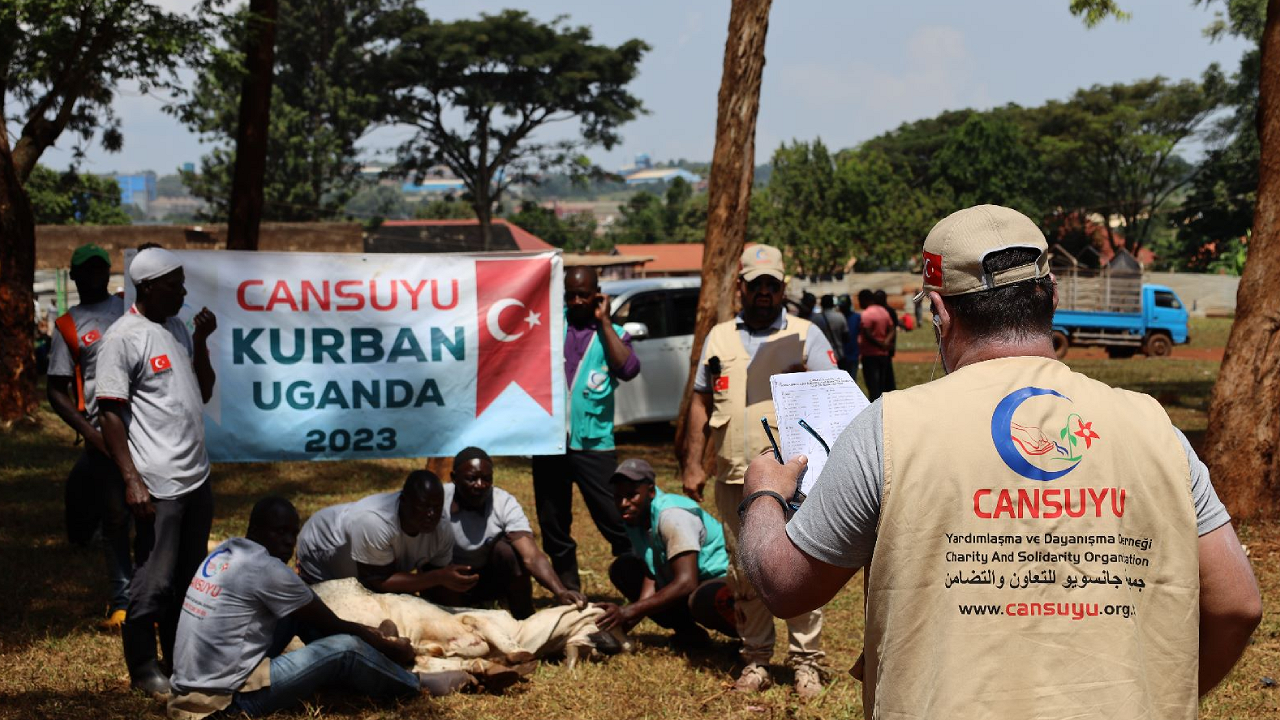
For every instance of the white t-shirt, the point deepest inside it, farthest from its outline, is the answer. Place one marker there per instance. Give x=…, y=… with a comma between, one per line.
x=229, y=616
x=474, y=532
x=148, y=366
x=91, y=322
x=367, y=531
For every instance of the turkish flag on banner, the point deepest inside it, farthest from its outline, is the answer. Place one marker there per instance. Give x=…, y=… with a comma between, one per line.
x=513, y=307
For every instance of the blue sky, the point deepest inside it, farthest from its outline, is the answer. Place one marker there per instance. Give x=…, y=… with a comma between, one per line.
x=841, y=69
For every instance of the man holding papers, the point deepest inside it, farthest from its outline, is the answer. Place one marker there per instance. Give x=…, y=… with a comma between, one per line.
x=1037, y=544
x=731, y=394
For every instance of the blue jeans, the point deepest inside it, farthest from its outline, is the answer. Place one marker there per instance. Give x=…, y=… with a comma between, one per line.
x=337, y=661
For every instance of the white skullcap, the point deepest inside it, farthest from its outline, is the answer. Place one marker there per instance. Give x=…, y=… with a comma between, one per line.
x=152, y=263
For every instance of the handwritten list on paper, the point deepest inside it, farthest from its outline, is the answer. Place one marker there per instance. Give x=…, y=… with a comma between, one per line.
x=827, y=401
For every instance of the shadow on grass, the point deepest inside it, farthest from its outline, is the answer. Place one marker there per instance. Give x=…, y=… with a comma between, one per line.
x=121, y=702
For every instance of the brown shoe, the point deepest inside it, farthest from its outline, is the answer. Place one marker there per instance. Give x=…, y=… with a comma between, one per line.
x=754, y=678
x=808, y=681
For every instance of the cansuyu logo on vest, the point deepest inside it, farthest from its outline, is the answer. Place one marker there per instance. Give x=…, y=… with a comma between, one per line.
x=1040, y=435
x=216, y=563
x=1030, y=447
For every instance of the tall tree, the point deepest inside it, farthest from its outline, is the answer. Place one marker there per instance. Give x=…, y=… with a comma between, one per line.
x=1244, y=438
x=70, y=198
x=732, y=173
x=60, y=64
x=325, y=96
x=477, y=90
x=801, y=209
x=245, y=211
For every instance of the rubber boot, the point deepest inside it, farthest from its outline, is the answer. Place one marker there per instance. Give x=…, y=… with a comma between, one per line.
x=139, y=641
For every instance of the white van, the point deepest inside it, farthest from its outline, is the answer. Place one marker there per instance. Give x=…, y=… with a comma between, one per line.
x=659, y=314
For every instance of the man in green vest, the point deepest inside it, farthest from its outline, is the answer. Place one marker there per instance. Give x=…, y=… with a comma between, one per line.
x=1037, y=544
x=597, y=356
x=675, y=572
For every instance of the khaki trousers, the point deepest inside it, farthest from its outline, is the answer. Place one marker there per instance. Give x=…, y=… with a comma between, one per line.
x=755, y=622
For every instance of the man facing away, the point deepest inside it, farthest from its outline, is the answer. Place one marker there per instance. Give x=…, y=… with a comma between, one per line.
x=95, y=490
x=391, y=542
x=244, y=605
x=874, y=344
x=675, y=572
x=153, y=379
x=491, y=535
x=731, y=394
x=597, y=356
x=1037, y=544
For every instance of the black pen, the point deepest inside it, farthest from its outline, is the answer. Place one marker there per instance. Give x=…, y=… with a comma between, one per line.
x=777, y=454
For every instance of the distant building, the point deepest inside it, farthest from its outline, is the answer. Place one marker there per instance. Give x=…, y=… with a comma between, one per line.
x=426, y=236
x=139, y=190
x=664, y=260
x=653, y=175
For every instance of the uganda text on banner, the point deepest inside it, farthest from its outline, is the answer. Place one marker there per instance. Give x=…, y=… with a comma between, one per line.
x=345, y=356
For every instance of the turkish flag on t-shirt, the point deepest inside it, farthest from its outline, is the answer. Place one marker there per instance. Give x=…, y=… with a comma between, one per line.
x=513, y=307
x=160, y=363
x=90, y=338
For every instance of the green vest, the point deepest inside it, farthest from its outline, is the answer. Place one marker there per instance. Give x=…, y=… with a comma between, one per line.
x=590, y=403
x=713, y=559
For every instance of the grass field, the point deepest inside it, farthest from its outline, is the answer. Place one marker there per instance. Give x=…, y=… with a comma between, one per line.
x=53, y=664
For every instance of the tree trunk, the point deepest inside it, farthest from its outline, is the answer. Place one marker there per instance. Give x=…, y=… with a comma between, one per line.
x=17, y=275
x=484, y=213
x=1244, y=416
x=732, y=172
x=245, y=211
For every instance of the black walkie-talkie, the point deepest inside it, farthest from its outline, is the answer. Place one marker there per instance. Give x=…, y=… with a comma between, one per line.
x=713, y=370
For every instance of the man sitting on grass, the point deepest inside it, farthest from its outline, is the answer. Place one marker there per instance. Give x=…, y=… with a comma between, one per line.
x=244, y=605
x=392, y=542
x=675, y=573
x=492, y=536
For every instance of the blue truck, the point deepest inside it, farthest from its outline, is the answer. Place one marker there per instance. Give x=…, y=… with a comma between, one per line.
x=1120, y=314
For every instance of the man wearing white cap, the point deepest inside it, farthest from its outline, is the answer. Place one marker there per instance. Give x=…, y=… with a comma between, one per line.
x=153, y=380
x=1037, y=544
x=731, y=394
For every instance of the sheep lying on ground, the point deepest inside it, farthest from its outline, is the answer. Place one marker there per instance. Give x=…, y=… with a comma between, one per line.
x=464, y=639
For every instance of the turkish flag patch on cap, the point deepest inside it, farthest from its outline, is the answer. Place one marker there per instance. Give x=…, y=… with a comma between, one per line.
x=932, y=270
x=160, y=363
x=90, y=338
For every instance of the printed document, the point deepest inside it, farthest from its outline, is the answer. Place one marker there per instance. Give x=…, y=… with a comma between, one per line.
x=826, y=401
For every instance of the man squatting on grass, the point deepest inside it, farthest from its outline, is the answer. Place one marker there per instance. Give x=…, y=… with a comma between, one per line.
x=675, y=572
x=241, y=609
x=1101, y=622
x=153, y=379
x=491, y=535
x=95, y=490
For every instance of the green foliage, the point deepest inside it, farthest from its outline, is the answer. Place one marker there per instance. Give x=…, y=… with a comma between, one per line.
x=573, y=233
x=476, y=90
x=375, y=203
x=171, y=186
x=327, y=93
x=71, y=199
x=678, y=216
x=1095, y=11
x=61, y=61
x=443, y=209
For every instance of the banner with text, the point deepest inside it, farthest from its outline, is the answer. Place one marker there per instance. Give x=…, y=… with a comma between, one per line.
x=334, y=356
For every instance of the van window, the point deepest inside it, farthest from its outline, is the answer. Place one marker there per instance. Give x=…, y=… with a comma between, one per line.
x=647, y=308
x=684, y=312
x=1167, y=300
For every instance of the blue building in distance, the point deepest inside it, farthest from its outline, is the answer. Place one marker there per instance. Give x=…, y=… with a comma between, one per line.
x=137, y=190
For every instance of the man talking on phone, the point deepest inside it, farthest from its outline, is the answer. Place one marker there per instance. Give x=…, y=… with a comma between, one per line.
x=597, y=356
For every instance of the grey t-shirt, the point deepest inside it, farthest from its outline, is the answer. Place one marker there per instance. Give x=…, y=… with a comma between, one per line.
x=229, y=616
x=817, y=351
x=837, y=523
x=681, y=530
x=474, y=532
x=367, y=531
x=148, y=366
x=91, y=323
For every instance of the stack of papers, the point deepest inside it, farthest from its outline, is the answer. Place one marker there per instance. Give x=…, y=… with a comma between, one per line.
x=827, y=401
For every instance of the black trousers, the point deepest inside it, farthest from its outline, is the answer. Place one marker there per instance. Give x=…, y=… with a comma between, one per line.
x=95, y=498
x=877, y=373
x=170, y=549
x=709, y=605
x=553, y=479
x=503, y=578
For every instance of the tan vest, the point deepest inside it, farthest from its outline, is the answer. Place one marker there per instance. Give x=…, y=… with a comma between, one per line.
x=742, y=398
x=1019, y=574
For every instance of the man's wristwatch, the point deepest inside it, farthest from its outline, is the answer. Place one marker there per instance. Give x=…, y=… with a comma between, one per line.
x=746, y=502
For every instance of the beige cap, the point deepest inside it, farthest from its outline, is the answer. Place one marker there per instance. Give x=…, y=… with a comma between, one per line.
x=760, y=260
x=956, y=247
